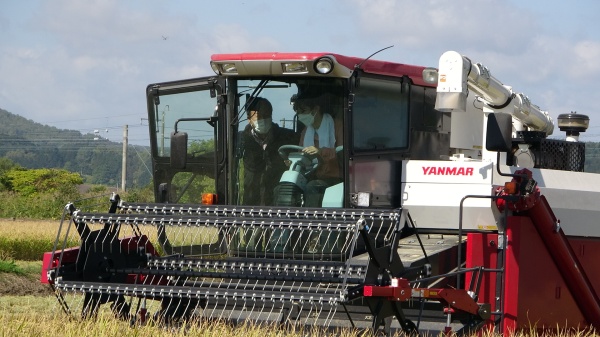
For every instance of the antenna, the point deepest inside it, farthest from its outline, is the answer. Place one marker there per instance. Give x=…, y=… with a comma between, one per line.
x=358, y=66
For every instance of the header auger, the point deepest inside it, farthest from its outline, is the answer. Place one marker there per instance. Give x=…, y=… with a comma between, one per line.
x=424, y=206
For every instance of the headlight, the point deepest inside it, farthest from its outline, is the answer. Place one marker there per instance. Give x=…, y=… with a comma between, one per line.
x=324, y=66
x=430, y=75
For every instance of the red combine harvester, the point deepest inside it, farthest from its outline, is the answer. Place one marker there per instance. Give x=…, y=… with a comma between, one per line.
x=317, y=189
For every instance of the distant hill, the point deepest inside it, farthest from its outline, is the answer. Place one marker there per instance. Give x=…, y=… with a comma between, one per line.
x=33, y=145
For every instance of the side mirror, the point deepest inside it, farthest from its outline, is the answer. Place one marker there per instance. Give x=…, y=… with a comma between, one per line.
x=179, y=149
x=499, y=132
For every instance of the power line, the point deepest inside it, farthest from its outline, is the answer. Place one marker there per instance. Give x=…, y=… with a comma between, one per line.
x=94, y=118
x=143, y=162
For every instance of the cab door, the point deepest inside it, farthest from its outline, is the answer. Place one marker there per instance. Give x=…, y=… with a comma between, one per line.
x=380, y=135
x=192, y=108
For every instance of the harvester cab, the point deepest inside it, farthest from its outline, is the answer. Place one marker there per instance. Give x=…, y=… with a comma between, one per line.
x=325, y=190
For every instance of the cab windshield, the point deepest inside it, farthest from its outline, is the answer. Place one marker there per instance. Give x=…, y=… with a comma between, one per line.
x=288, y=142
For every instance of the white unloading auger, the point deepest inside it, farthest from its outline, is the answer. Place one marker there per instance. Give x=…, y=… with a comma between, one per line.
x=457, y=75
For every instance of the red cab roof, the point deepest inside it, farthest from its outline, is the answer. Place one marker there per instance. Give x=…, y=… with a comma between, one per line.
x=370, y=66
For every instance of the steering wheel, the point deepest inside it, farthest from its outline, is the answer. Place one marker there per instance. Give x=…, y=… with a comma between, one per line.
x=305, y=160
x=285, y=150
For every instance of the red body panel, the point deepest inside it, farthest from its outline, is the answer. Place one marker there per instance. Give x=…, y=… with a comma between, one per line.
x=535, y=292
x=129, y=245
x=565, y=259
x=482, y=250
x=52, y=261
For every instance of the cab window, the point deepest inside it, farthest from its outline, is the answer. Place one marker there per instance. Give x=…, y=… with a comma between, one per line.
x=380, y=115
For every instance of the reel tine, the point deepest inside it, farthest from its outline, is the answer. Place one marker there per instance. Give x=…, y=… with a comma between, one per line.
x=330, y=316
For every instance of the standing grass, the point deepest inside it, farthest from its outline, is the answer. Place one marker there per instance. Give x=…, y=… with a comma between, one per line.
x=39, y=316
x=35, y=321
x=26, y=239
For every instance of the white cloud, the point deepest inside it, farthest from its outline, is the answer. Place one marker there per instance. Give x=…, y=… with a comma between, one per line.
x=586, y=60
x=463, y=24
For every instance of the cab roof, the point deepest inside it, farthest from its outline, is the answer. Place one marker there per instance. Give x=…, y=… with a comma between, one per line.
x=370, y=66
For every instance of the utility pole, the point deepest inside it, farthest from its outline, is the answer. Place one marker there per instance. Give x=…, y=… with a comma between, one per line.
x=124, y=167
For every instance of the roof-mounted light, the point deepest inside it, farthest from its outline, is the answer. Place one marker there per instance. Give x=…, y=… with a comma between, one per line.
x=229, y=68
x=573, y=122
x=324, y=65
x=294, y=67
x=430, y=75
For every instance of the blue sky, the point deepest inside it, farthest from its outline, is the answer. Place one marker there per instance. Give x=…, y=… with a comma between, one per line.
x=84, y=65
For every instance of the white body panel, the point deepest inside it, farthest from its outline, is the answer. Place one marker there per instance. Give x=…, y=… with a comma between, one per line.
x=573, y=196
x=469, y=120
x=432, y=191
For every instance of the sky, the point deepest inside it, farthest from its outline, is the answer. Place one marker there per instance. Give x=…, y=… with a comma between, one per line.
x=85, y=65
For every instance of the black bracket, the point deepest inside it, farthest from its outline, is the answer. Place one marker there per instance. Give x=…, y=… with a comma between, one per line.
x=384, y=264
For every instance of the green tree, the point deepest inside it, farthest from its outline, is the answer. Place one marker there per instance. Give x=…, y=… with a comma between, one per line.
x=5, y=166
x=200, y=147
x=31, y=182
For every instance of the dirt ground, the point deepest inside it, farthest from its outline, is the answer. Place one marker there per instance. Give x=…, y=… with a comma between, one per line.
x=16, y=285
x=29, y=282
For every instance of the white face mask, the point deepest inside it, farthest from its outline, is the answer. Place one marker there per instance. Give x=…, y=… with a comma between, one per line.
x=307, y=119
x=262, y=126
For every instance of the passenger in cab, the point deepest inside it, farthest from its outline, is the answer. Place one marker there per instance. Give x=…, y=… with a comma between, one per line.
x=263, y=165
x=321, y=136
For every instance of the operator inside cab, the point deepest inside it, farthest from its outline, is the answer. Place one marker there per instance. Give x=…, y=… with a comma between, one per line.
x=263, y=166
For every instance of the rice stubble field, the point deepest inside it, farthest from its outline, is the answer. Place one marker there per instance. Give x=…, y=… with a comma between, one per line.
x=29, y=308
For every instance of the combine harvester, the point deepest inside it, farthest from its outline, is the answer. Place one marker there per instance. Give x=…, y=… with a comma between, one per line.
x=452, y=210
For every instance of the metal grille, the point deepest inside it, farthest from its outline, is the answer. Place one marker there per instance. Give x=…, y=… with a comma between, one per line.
x=561, y=155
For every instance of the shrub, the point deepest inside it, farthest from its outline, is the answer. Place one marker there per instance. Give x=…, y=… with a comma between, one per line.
x=31, y=182
x=10, y=267
x=139, y=195
x=37, y=206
